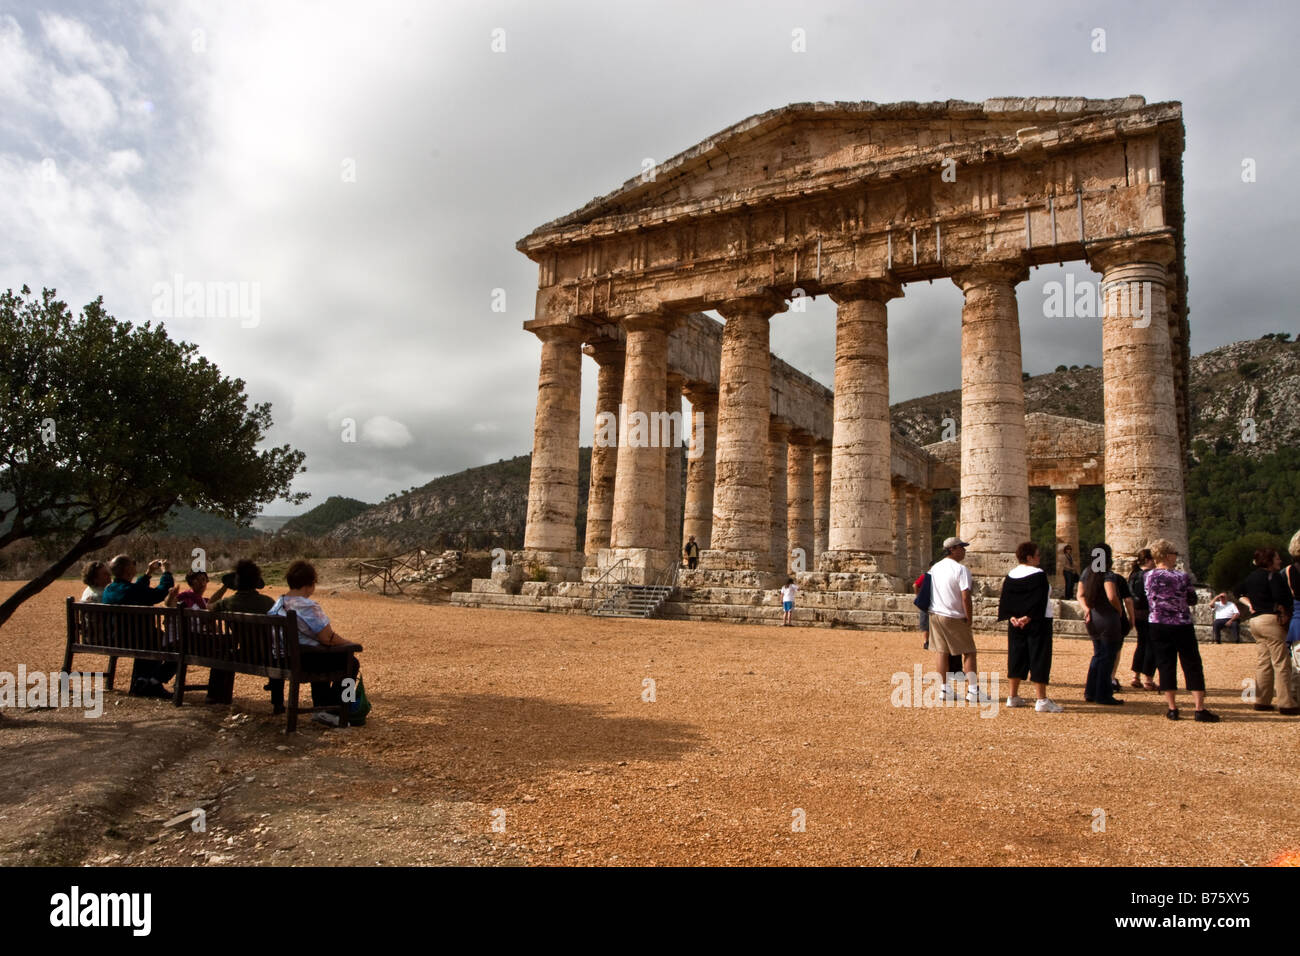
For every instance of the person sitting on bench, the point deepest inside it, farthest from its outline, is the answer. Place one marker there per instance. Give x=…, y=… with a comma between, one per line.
x=147, y=677
x=246, y=581
x=314, y=634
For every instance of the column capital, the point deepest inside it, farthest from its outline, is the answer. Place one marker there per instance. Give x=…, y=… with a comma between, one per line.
x=778, y=430
x=1007, y=272
x=699, y=394
x=650, y=322
x=800, y=437
x=558, y=332
x=766, y=304
x=676, y=380
x=606, y=351
x=1158, y=250
x=877, y=290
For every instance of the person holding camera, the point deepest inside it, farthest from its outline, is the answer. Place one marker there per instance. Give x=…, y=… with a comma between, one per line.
x=147, y=677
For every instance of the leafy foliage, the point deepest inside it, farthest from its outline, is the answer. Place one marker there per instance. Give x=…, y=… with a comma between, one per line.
x=105, y=427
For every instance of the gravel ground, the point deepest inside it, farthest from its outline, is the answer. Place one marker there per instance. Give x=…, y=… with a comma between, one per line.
x=522, y=738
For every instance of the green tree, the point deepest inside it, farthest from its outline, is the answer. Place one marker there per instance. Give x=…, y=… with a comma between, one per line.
x=106, y=426
x=1236, y=558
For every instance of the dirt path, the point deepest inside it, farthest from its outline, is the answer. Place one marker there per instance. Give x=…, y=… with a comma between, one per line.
x=542, y=725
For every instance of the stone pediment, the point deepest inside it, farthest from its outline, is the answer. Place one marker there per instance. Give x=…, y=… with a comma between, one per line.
x=809, y=146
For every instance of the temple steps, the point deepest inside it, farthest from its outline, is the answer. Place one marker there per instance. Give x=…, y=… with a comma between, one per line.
x=863, y=610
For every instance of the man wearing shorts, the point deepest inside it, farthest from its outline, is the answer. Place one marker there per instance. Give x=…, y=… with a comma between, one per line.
x=951, y=614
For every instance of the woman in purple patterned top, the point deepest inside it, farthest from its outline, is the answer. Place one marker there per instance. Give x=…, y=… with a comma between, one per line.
x=1170, y=594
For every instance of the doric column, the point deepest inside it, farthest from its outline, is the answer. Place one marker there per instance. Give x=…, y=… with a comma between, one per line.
x=919, y=530
x=742, y=535
x=673, y=468
x=700, y=466
x=778, y=451
x=859, y=536
x=638, y=521
x=821, y=498
x=604, y=451
x=994, y=470
x=1067, y=532
x=552, y=532
x=1144, y=479
x=898, y=505
x=799, y=516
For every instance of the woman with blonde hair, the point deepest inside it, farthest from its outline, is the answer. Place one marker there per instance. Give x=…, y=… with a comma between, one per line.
x=1170, y=595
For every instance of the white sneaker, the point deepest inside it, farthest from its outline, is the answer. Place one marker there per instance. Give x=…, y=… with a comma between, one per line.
x=977, y=696
x=946, y=692
x=329, y=720
x=1017, y=702
x=1048, y=706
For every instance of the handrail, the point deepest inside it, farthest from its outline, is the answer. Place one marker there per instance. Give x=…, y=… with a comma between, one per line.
x=667, y=578
x=620, y=563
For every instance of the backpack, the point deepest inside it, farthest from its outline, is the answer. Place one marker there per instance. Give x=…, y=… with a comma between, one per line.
x=922, y=599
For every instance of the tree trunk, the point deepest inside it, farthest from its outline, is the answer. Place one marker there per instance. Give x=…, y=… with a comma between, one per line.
x=51, y=574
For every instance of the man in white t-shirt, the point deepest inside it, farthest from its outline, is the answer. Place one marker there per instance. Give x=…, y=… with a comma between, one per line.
x=951, y=614
x=1226, y=615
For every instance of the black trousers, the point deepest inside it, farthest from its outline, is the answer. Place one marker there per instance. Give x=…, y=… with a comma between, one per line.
x=323, y=693
x=1029, y=651
x=1071, y=585
x=1174, y=643
x=1232, y=626
x=1144, y=661
x=143, y=671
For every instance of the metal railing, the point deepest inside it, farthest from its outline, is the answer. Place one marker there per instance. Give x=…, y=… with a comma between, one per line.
x=615, y=575
x=622, y=598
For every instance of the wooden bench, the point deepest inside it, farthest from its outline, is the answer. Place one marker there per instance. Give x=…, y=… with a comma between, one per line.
x=262, y=645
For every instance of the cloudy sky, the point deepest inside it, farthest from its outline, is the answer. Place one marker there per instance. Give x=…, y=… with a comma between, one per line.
x=364, y=170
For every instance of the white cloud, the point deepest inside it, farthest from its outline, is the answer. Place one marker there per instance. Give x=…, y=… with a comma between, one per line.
x=384, y=432
x=82, y=104
x=123, y=162
x=17, y=62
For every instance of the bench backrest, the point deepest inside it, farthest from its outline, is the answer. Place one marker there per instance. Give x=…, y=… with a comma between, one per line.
x=260, y=640
x=124, y=626
x=257, y=640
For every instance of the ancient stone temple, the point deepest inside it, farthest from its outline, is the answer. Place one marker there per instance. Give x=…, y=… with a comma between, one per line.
x=854, y=201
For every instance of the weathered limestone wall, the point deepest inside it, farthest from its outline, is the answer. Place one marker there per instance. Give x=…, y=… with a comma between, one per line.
x=639, y=493
x=859, y=536
x=994, y=469
x=700, y=467
x=551, y=532
x=800, y=521
x=1144, y=478
x=741, y=495
x=604, y=457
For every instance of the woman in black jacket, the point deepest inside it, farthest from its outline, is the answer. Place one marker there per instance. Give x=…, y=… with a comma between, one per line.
x=1100, y=598
x=1026, y=606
